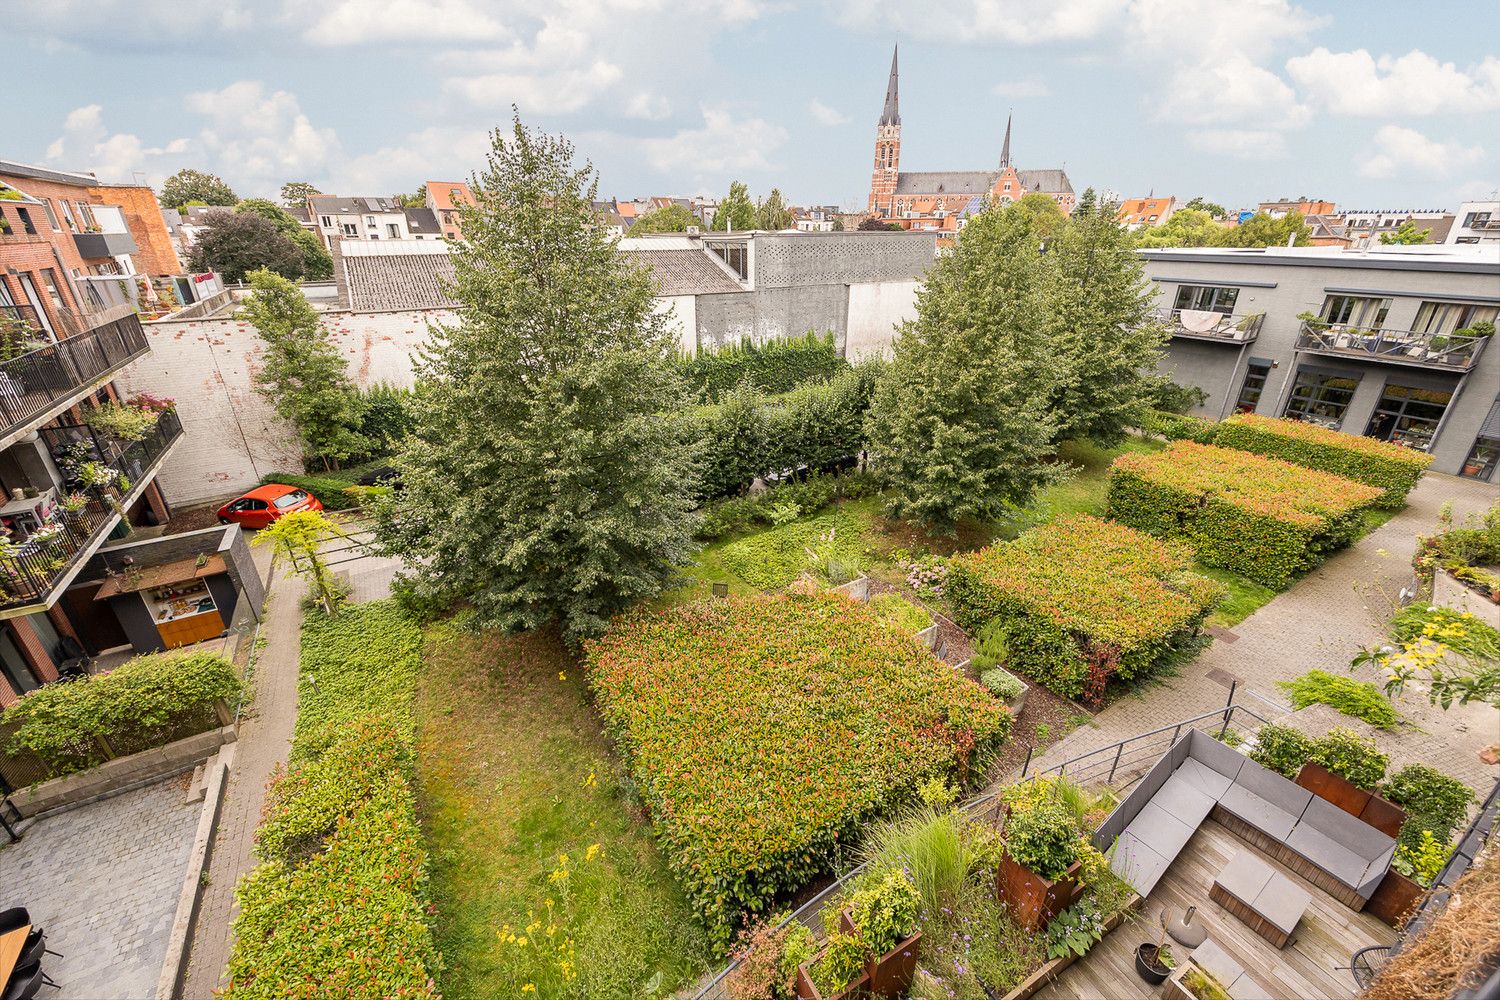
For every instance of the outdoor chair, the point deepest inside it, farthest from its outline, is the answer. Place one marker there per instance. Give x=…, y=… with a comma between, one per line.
x=1367, y=963
x=16, y=916
x=25, y=982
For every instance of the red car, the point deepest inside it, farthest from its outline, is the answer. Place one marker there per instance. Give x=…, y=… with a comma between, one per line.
x=261, y=506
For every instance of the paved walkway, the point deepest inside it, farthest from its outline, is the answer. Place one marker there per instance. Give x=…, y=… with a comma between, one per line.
x=1321, y=622
x=103, y=880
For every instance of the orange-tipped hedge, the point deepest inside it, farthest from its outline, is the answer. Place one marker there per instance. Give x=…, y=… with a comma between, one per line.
x=1392, y=467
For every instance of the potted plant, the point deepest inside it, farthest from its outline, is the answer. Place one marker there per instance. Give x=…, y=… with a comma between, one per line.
x=1154, y=961
x=1038, y=873
x=1193, y=982
x=72, y=507
x=837, y=972
x=884, y=917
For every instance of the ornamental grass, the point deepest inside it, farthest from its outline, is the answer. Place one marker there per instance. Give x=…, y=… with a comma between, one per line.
x=1393, y=468
x=763, y=732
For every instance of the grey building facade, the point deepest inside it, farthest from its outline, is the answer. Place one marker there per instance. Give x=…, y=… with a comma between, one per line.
x=1390, y=342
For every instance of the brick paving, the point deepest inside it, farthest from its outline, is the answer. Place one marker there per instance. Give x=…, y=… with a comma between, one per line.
x=103, y=880
x=1321, y=622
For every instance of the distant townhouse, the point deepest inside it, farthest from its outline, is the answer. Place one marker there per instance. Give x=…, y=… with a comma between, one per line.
x=1286, y=206
x=817, y=219
x=1476, y=222
x=1138, y=213
x=1327, y=231
x=1365, y=226
x=446, y=198
x=358, y=218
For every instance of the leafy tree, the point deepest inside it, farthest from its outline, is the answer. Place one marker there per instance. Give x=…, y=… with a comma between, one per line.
x=196, y=186
x=317, y=262
x=838, y=225
x=1088, y=200
x=872, y=224
x=297, y=539
x=1405, y=234
x=417, y=199
x=959, y=424
x=1187, y=227
x=294, y=193
x=1041, y=213
x=542, y=482
x=303, y=375
x=1200, y=204
x=236, y=243
x=1261, y=230
x=772, y=213
x=671, y=218
x=1100, y=328
x=736, y=211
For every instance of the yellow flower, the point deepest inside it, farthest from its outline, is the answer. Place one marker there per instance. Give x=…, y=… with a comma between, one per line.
x=590, y=781
x=562, y=859
x=562, y=675
x=529, y=988
x=592, y=852
x=521, y=941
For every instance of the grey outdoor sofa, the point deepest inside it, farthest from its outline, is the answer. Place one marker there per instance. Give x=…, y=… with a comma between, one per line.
x=1199, y=778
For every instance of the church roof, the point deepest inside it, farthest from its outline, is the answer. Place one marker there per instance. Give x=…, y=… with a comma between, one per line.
x=891, y=115
x=945, y=182
x=1049, y=181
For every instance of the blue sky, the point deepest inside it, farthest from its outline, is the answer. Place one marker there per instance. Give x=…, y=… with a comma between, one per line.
x=1373, y=105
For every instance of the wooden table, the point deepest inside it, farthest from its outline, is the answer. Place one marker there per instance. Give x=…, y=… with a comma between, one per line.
x=11, y=943
x=1265, y=900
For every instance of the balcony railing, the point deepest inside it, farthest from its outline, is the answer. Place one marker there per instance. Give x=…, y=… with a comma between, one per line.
x=30, y=570
x=1199, y=325
x=1449, y=352
x=33, y=384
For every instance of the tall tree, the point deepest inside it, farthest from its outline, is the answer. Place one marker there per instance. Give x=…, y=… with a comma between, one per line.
x=773, y=213
x=959, y=424
x=236, y=243
x=294, y=193
x=302, y=374
x=671, y=218
x=1262, y=230
x=1100, y=328
x=196, y=186
x=317, y=262
x=1406, y=233
x=1201, y=204
x=1187, y=227
x=1042, y=213
x=542, y=482
x=736, y=211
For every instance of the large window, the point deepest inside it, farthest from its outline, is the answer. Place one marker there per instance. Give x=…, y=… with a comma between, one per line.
x=736, y=255
x=1485, y=455
x=1208, y=298
x=1254, y=385
x=1445, y=317
x=1408, y=415
x=1356, y=310
x=14, y=666
x=1321, y=399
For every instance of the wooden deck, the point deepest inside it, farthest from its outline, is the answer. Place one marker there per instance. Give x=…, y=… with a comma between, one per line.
x=1307, y=969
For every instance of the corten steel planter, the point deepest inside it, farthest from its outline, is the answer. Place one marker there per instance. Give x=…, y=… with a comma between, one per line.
x=1032, y=900
x=1329, y=786
x=891, y=974
x=807, y=991
x=1394, y=898
x=1384, y=815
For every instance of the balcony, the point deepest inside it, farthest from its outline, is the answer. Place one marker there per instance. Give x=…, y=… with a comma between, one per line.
x=1196, y=324
x=104, y=244
x=35, y=570
x=1441, y=352
x=39, y=384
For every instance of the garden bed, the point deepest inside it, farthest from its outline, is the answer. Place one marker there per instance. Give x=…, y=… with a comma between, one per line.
x=1392, y=468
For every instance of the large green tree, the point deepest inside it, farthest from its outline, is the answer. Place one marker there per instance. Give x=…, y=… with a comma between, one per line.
x=773, y=213
x=317, y=262
x=673, y=218
x=236, y=243
x=294, y=193
x=303, y=375
x=198, y=187
x=959, y=425
x=1262, y=230
x=1406, y=233
x=736, y=211
x=1186, y=227
x=1043, y=214
x=1201, y=204
x=543, y=482
x=417, y=199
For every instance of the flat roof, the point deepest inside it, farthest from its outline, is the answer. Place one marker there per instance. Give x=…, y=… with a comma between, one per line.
x=1459, y=257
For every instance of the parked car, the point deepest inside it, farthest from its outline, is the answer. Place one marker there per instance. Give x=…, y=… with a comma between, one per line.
x=263, y=505
x=386, y=475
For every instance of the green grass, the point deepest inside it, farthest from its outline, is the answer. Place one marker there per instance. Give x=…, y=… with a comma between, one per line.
x=514, y=773
x=1245, y=596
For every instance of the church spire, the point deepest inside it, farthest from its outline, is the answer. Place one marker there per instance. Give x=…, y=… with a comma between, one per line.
x=892, y=113
x=1005, y=149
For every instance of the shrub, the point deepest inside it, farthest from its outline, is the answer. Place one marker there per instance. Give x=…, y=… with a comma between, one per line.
x=1350, y=756
x=1460, y=631
x=146, y=702
x=1360, y=699
x=1433, y=802
x=1043, y=838
x=774, y=558
x=328, y=490
x=933, y=844
x=1002, y=683
x=763, y=733
x=1282, y=749
x=775, y=366
x=767, y=957
x=1265, y=519
x=1079, y=599
x=1392, y=468
x=784, y=502
x=1421, y=861
x=1463, y=551
x=899, y=613
x=884, y=911
x=1179, y=427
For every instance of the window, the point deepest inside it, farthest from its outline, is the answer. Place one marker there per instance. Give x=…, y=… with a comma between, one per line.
x=26, y=222
x=1208, y=298
x=17, y=671
x=1446, y=317
x=1321, y=399
x=49, y=282
x=392, y=231
x=47, y=633
x=327, y=221
x=86, y=216
x=1408, y=415
x=1356, y=311
x=51, y=216
x=1484, y=456
x=291, y=499
x=736, y=255
x=68, y=216
x=350, y=229
x=370, y=221
x=1254, y=385
x=1474, y=219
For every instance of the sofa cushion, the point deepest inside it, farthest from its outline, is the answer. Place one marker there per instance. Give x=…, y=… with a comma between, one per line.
x=1137, y=864
x=1209, y=751
x=1288, y=796
x=1244, y=804
x=1375, y=873
x=1184, y=800
x=1216, y=962
x=1162, y=831
x=1350, y=831
x=1204, y=778
x=1328, y=854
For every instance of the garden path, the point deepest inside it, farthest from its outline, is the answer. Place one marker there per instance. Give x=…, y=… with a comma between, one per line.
x=1321, y=621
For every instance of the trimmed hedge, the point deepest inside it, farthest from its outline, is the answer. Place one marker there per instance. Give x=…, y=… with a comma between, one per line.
x=1263, y=518
x=1393, y=468
x=764, y=732
x=1179, y=426
x=339, y=904
x=328, y=490
x=1081, y=599
x=146, y=702
x=776, y=366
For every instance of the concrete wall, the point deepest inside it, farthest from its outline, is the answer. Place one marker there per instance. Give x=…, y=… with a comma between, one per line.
x=772, y=314
x=875, y=310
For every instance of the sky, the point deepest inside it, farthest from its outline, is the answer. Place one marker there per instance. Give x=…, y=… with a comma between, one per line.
x=1377, y=104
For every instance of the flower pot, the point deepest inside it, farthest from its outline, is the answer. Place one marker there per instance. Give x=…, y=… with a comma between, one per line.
x=807, y=991
x=1146, y=967
x=1329, y=786
x=1394, y=898
x=891, y=974
x=1032, y=900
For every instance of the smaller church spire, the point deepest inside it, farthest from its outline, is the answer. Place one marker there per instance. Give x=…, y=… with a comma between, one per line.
x=892, y=113
x=1005, y=148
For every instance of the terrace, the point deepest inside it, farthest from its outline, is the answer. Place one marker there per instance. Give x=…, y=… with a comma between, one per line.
x=1198, y=324
x=1444, y=352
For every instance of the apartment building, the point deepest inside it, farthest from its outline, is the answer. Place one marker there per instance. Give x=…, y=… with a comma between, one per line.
x=1138, y=213
x=1476, y=222
x=1365, y=227
x=1393, y=342
x=338, y=218
x=446, y=198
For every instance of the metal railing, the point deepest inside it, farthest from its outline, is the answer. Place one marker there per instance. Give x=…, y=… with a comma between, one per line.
x=1435, y=350
x=1235, y=328
x=31, y=569
x=32, y=384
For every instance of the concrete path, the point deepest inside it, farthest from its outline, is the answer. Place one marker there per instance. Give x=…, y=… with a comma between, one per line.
x=1321, y=622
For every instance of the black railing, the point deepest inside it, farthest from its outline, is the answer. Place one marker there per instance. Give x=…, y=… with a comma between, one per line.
x=1407, y=347
x=33, y=383
x=1236, y=328
x=30, y=569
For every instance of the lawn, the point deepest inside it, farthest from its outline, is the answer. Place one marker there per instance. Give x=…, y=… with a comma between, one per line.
x=515, y=773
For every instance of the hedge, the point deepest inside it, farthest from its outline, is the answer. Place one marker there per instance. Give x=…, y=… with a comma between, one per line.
x=764, y=732
x=328, y=490
x=776, y=366
x=1265, y=519
x=339, y=904
x=146, y=702
x=1393, y=468
x=1078, y=600
x=1179, y=426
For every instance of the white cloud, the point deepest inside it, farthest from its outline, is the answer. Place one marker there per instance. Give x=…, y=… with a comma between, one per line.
x=1205, y=30
x=1233, y=89
x=724, y=144
x=541, y=93
x=372, y=22
x=264, y=137
x=1408, y=154
x=1356, y=83
x=1016, y=22
x=648, y=106
x=1021, y=89
x=87, y=145
x=825, y=115
x=436, y=153
x=1240, y=144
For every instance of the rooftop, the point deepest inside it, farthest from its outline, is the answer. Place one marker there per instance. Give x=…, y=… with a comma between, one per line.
x=11, y=168
x=1474, y=258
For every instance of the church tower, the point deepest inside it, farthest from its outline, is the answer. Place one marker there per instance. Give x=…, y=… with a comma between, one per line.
x=887, y=151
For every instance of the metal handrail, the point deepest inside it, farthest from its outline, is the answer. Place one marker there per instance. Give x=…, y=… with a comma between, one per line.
x=1240, y=328
x=34, y=382
x=1406, y=346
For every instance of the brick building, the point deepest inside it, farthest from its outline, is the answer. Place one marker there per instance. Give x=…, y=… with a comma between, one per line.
x=941, y=200
x=154, y=255
x=444, y=198
x=1137, y=213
